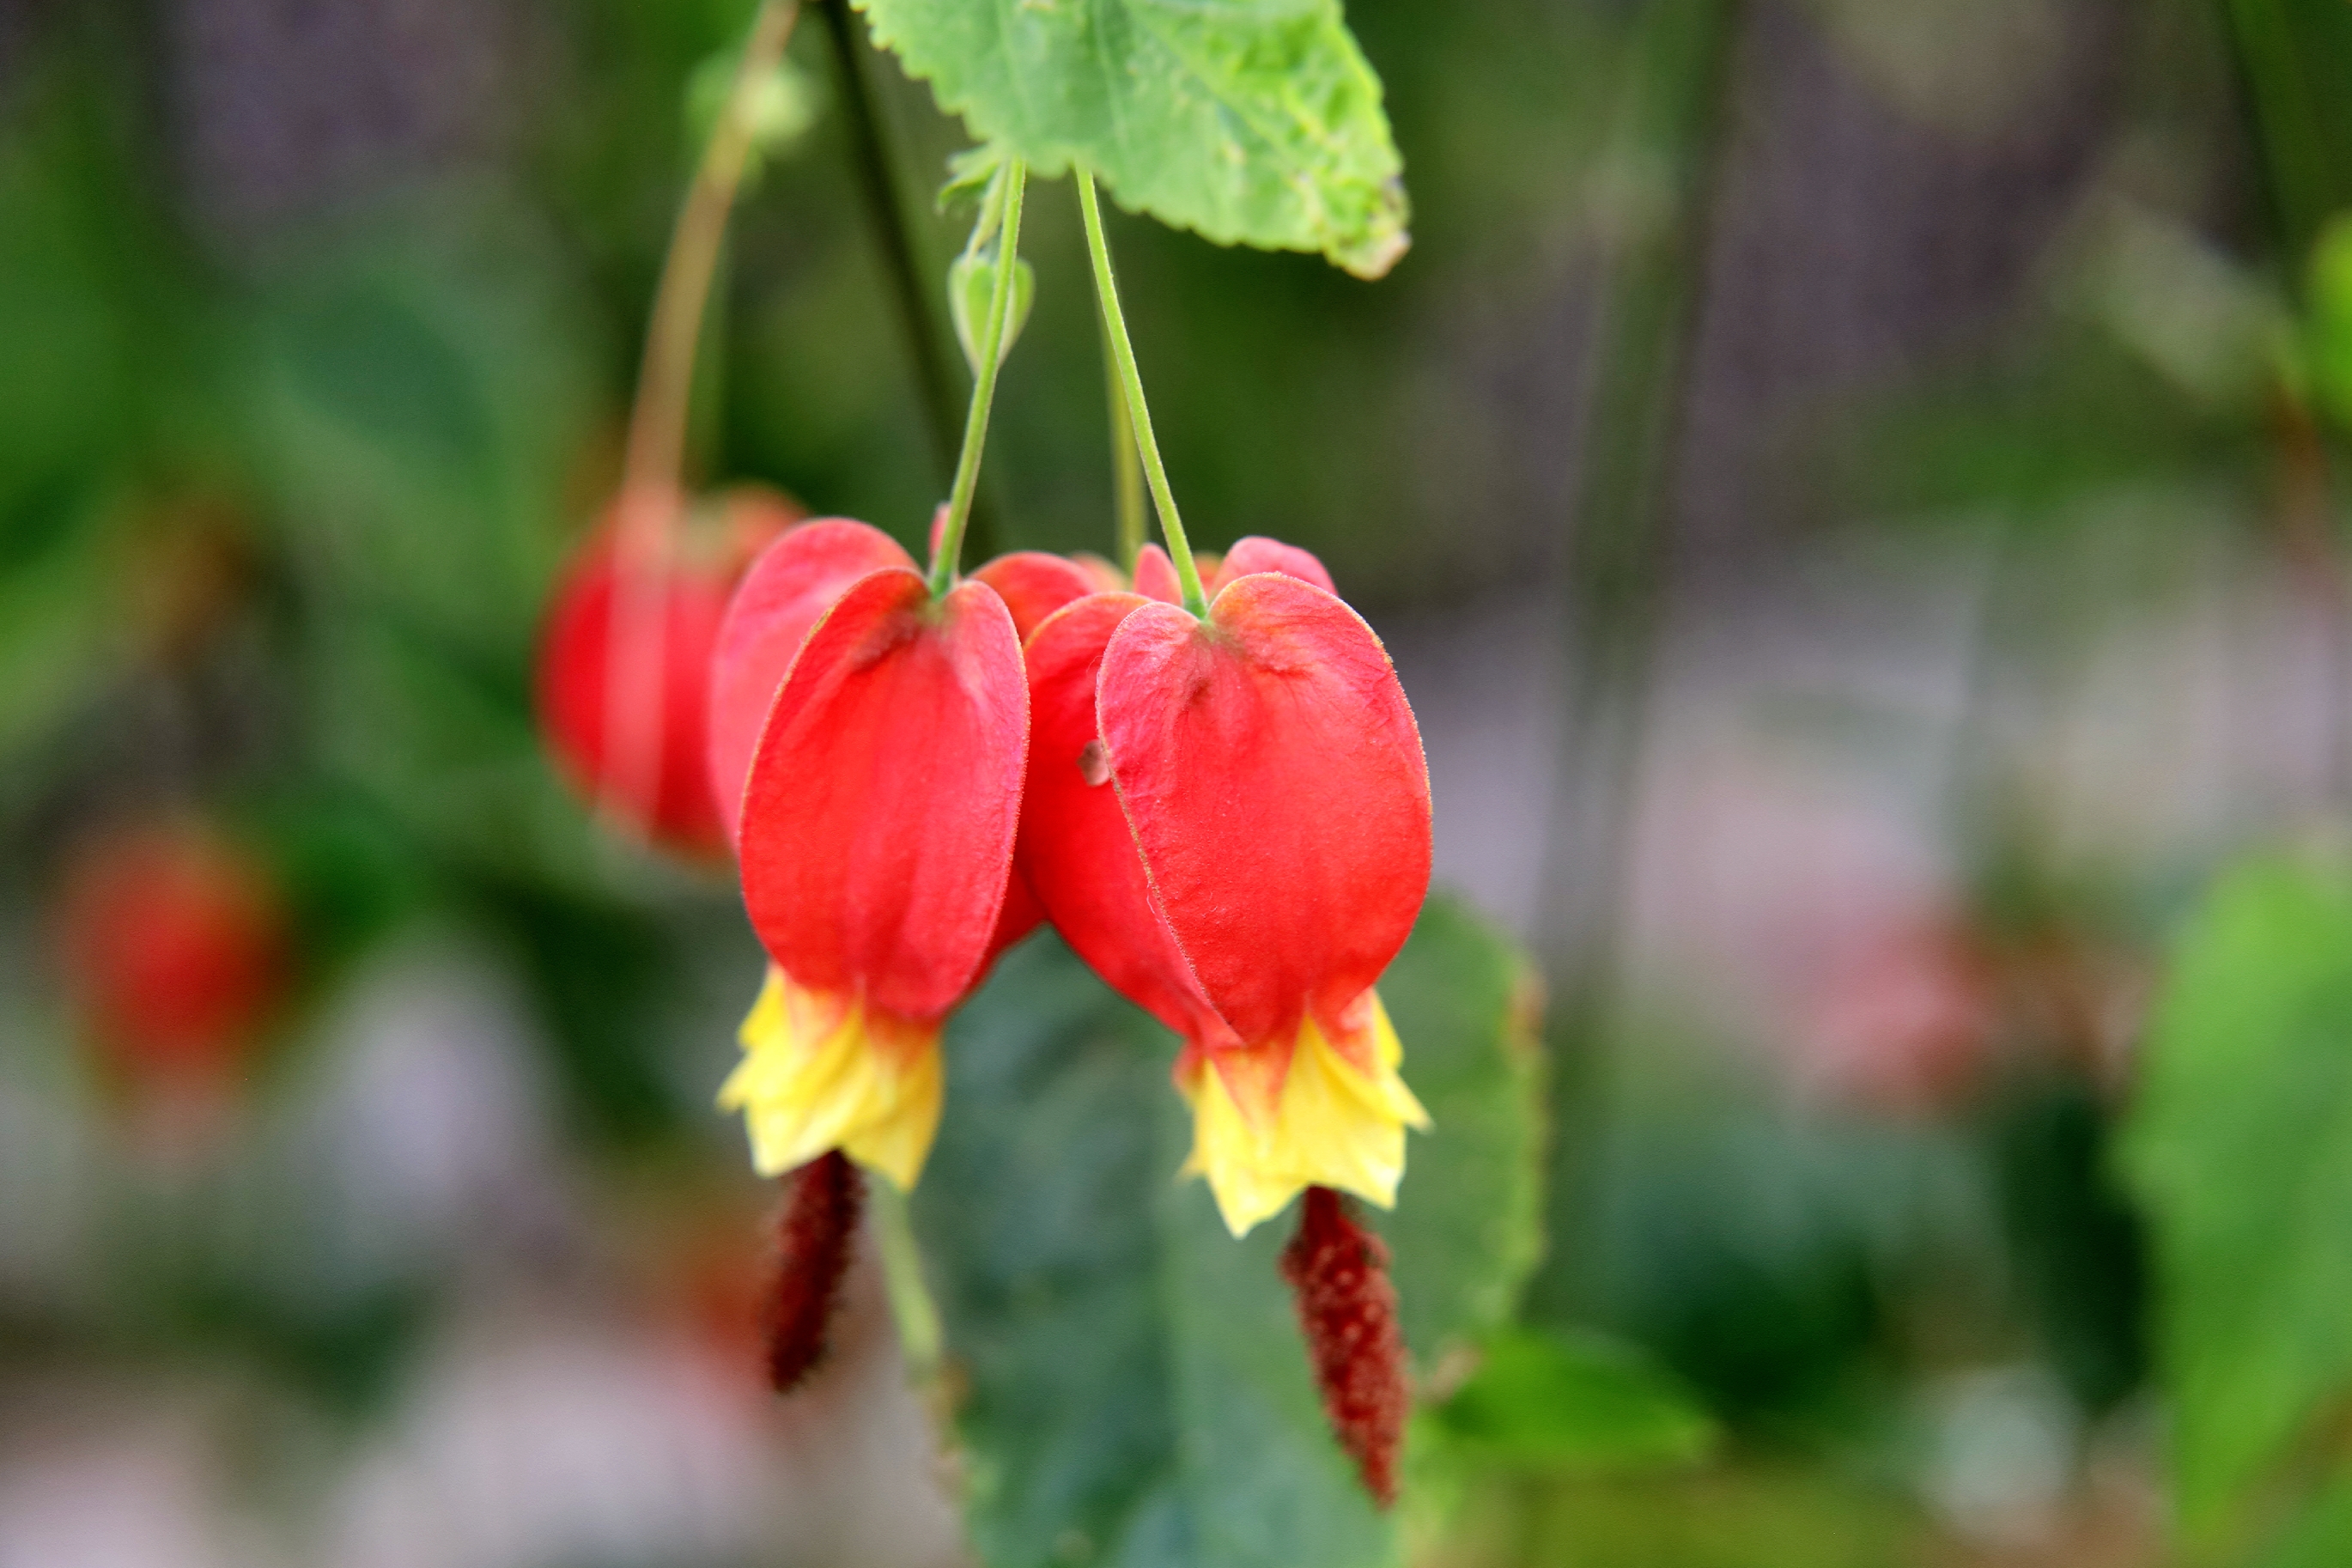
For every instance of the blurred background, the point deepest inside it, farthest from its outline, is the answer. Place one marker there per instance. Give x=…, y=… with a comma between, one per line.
x=1850, y=488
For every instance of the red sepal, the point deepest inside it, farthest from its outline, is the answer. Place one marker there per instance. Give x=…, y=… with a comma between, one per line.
x=1102, y=577
x=1272, y=775
x=792, y=583
x=880, y=808
x=1155, y=575
x=1076, y=850
x=1035, y=584
x=1258, y=553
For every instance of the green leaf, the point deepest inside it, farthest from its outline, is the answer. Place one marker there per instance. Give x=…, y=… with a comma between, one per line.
x=1469, y=1226
x=2326, y=348
x=1552, y=1399
x=1134, y=1391
x=1252, y=121
x=419, y=406
x=2240, y=1148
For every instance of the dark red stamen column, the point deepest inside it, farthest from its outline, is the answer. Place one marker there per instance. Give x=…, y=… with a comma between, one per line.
x=823, y=1201
x=1348, y=1310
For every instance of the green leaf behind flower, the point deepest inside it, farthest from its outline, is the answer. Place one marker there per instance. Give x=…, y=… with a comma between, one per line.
x=1580, y=1401
x=1133, y=1388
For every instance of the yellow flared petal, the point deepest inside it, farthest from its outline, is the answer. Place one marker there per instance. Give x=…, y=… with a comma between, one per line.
x=822, y=1072
x=1333, y=1123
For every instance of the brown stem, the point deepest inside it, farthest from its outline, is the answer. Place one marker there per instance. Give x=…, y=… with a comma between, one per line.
x=651, y=498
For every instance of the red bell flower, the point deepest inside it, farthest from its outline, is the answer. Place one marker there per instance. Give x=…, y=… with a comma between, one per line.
x=174, y=945
x=624, y=663
x=877, y=812
x=1228, y=818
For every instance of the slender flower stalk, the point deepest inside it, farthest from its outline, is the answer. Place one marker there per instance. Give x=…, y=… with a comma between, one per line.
x=1171, y=526
x=983, y=389
x=650, y=502
x=921, y=1337
x=1126, y=464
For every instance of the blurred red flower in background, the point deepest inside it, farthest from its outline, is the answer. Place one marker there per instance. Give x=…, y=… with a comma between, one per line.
x=630, y=733
x=173, y=944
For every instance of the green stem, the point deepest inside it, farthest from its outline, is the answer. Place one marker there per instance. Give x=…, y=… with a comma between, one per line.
x=1126, y=464
x=1122, y=353
x=983, y=385
x=920, y=1338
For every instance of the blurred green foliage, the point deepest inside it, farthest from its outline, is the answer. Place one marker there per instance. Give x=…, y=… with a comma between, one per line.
x=1133, y=1388
x=2238, y=1148
x=1551, y=1400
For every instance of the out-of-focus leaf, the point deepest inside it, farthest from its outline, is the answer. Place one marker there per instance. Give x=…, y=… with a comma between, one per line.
x=448, y=748
x=60, y=615
x=2240, y=1148
x=2088, y=418
x=1581, y=1400
x=2075, y=1244
x=422, y=413
x=2294, y=57
x=2321, y=1536
x=1468, y=1222
x=1765, y=1515
x=69, y=334
x=1252, y=121
x=2327, y=347
x=600, y=976
x=1135, y=1391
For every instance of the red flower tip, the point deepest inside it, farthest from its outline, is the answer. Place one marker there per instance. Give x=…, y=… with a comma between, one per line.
x=1102, y=577
x=821, y=1203
x=623, y=666
x=1337, y=1272
x=1155, y=575
x=1035, y=584
x=792, y=583
x=1255, y=555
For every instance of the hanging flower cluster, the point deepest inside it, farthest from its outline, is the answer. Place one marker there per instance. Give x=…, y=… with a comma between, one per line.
x=1205, y=774
x=1226, y=816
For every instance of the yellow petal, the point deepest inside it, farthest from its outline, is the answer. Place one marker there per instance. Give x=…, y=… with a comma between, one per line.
x=1334, y=1123
x=822, y=1071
